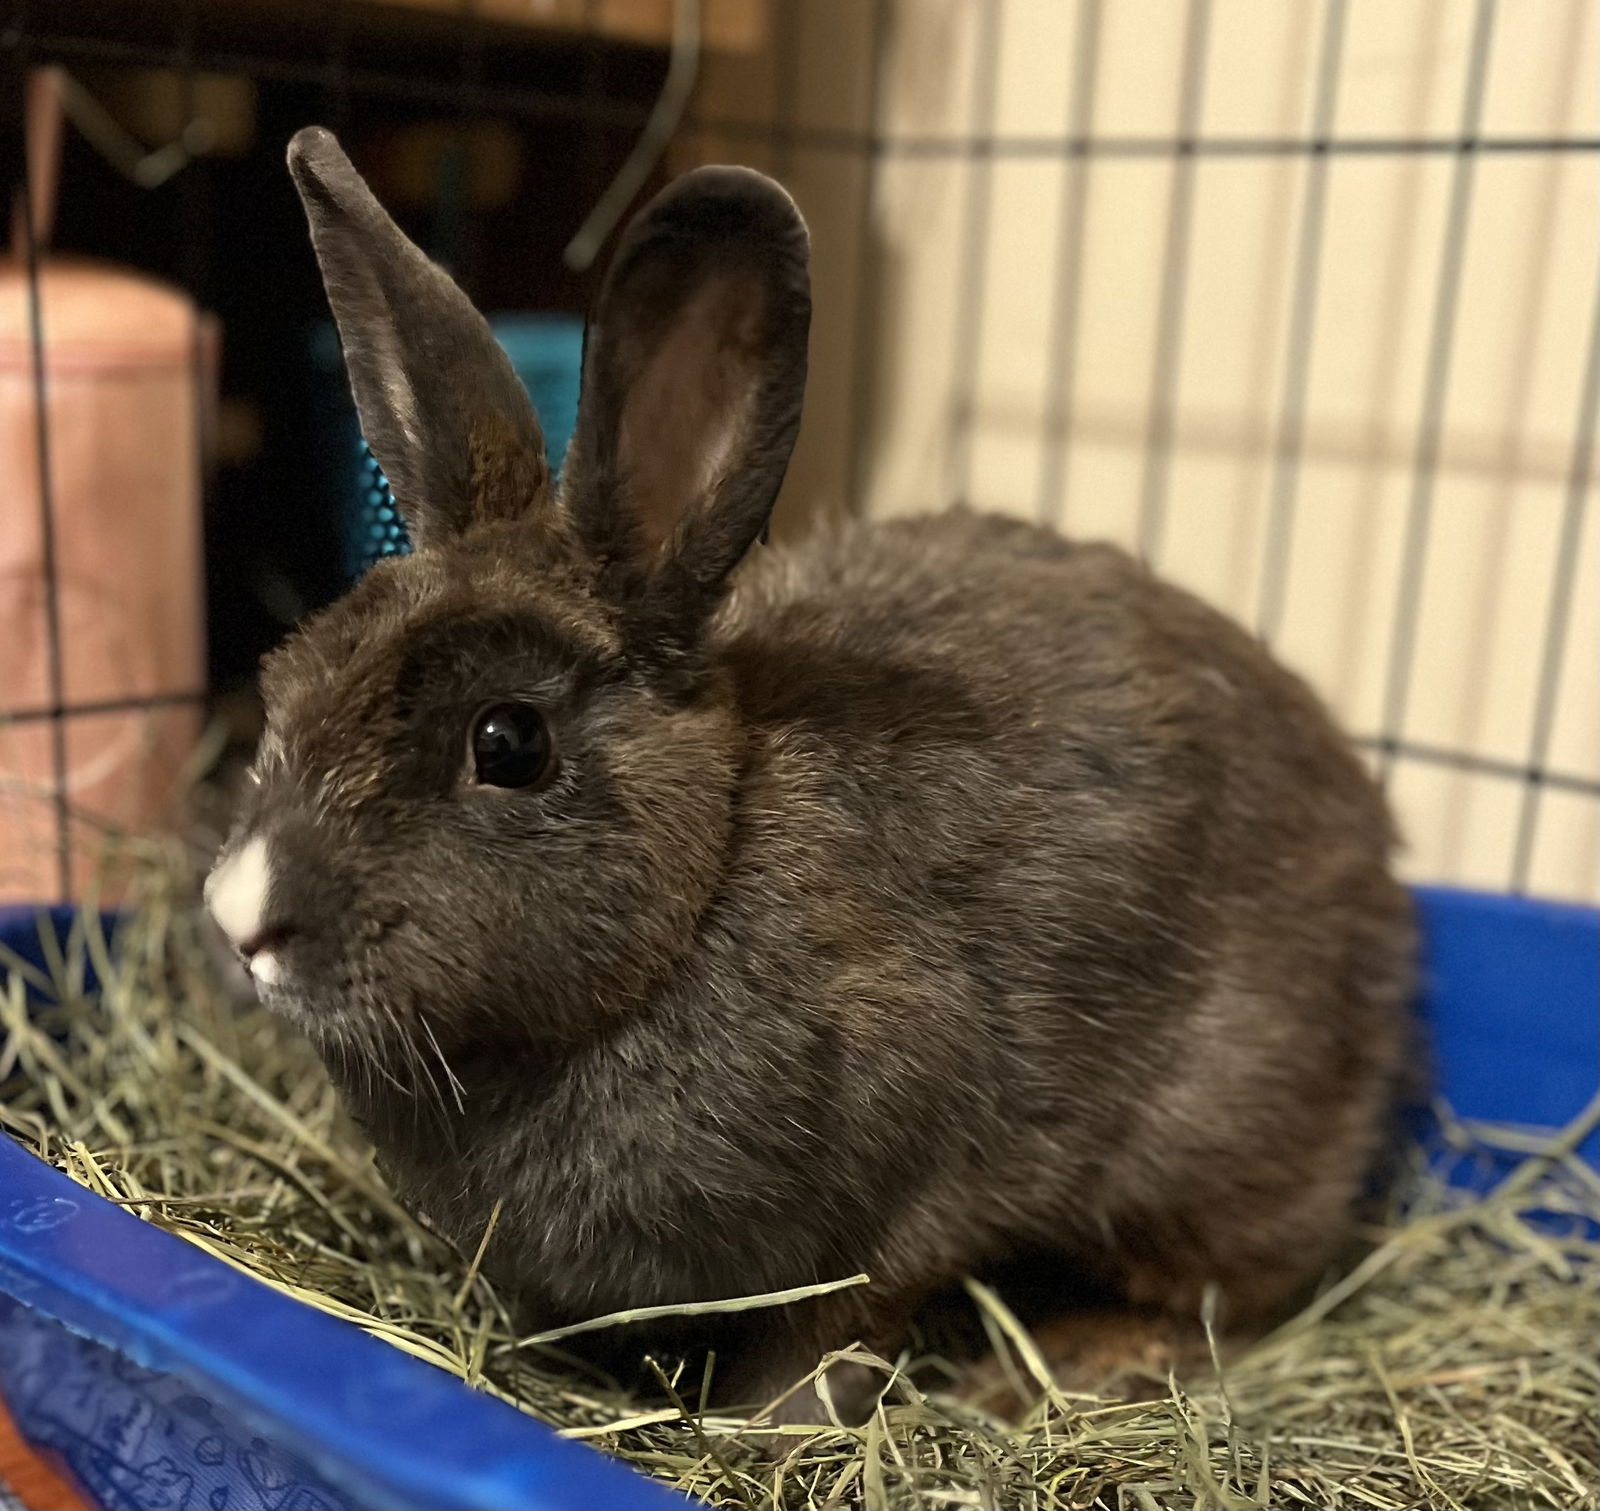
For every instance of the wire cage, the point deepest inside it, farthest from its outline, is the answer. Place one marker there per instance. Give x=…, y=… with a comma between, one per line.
x=1302, y=303
x=1289, y=299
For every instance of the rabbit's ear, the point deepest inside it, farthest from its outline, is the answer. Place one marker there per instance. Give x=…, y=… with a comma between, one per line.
x=694, y=372
x=440, y=403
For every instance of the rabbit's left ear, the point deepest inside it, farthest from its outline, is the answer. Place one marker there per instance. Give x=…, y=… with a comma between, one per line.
x=693, y=377
x=440, y=403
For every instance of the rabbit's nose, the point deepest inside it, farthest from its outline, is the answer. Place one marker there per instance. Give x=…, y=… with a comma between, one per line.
x=239, y=895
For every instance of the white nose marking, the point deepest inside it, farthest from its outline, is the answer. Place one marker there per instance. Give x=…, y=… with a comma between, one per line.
x=237, y=892
x=265, y=968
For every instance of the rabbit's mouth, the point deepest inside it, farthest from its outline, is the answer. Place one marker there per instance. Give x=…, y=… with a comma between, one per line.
x=328, y=1010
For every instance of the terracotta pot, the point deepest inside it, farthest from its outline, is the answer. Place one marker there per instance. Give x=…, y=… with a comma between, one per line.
x=129, y=373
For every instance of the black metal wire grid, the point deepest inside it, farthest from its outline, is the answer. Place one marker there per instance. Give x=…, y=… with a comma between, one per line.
x=1080, y=146
x=31, y=37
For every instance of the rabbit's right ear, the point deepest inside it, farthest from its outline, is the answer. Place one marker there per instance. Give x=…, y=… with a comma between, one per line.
x=694, y=371
x=440, y=404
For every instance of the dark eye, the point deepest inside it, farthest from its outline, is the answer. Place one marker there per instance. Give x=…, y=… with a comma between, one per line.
x=511, y=745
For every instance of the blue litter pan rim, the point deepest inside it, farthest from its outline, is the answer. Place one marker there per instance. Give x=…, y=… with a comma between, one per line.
x=1503, y=976
x=389, y=1430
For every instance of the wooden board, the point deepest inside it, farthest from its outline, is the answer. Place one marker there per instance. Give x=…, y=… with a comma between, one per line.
x=726, y=25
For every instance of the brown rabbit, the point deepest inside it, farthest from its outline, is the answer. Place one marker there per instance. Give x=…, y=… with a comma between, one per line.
x=932, y=894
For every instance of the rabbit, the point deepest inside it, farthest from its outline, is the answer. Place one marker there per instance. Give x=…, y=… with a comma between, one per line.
x=721, y=920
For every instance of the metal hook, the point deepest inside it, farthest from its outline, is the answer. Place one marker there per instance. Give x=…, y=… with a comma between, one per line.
x=683, y=68
x=147, y=168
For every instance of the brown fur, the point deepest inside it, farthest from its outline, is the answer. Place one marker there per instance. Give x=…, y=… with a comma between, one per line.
x=505, y=482
x=945, y=893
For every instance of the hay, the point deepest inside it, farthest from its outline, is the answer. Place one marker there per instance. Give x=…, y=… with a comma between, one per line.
x=1457, y=1367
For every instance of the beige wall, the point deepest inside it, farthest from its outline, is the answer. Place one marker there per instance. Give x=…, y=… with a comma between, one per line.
x=903, y=351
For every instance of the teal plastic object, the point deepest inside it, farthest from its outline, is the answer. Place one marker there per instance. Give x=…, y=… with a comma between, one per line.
x=547, y=352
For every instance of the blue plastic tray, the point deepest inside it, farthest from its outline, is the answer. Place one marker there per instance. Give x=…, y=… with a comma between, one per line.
x=170, y=1380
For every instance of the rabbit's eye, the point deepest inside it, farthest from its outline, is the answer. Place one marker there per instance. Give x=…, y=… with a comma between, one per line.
x=511, y=745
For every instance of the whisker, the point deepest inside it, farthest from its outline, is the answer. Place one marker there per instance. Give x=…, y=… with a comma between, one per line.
x=456, y=1088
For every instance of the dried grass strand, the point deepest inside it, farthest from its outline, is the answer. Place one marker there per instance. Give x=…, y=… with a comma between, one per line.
x=1454, y=1367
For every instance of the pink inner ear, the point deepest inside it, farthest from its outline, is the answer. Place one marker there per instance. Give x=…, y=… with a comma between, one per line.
x=687, y=415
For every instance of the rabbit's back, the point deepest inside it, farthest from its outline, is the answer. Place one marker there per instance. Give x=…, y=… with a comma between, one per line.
x=1151, y=867
x=971, y=646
